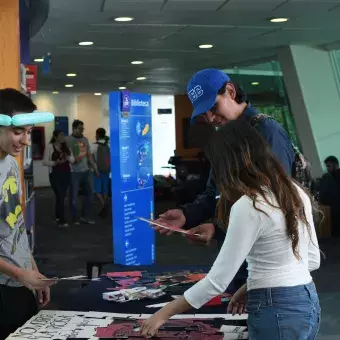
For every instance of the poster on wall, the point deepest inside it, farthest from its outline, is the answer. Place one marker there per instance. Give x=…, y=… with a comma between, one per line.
x=132, y=177
x=31, y=78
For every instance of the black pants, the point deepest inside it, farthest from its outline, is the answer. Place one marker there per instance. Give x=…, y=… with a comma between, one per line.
x=17, y=306
x=60, y=182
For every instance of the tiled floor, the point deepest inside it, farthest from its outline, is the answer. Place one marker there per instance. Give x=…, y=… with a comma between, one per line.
x=65, y=252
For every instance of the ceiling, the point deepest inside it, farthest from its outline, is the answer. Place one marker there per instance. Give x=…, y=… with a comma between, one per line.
x=165, y=35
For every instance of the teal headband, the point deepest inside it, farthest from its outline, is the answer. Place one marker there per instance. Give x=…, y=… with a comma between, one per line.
x=22, y=119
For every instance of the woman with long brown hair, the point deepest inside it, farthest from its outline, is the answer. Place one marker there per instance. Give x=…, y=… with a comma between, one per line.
x=58, y=158
x=269, y=223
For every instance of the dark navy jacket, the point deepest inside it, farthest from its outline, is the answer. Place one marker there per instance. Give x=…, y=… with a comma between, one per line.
x=205, y=205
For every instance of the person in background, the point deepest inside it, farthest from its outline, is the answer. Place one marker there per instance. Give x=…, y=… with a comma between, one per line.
x=271, y=226
x=81, y=174
x=21, y=284
x=330, y=192
x=101, y=154
x=58, y=157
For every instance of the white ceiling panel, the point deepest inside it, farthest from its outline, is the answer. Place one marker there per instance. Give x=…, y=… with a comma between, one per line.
x=138, y=31
x=247, y=31
x=251, y=5
x=76, y=6
x=321, y=1
x=192, y=5
x=132, y=5
x=296, y=9
x=165, y=35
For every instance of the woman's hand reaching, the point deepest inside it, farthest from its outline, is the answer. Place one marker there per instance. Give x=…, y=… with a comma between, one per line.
x=150, y=326
x=238, y=302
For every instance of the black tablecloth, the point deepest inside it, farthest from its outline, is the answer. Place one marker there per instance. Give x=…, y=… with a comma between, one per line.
x=89, y=297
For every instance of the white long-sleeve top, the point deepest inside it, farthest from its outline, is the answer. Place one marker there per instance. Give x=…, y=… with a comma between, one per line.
x=47, y=161
x=262, y=240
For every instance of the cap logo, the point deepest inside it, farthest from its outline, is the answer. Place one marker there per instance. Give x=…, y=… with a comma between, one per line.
x=195, y=93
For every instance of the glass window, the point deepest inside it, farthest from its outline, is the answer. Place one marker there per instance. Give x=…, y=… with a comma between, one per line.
x=264, y=86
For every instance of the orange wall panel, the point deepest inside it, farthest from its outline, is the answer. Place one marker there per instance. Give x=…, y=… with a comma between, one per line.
x=9, y=44
x=10, y=56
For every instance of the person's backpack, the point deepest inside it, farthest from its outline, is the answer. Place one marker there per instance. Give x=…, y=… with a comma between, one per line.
x=301, y=170
x=103, y=159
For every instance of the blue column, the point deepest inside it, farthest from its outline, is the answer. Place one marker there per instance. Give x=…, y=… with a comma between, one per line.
x=132, y=177
x=24, y=32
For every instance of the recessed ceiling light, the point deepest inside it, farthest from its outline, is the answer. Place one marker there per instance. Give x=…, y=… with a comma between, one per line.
x=71, y=74
x=124, y=19
x=141, y=78
x=39, y=60
x=255, y=83
x=86, y=43
x=97, y=94
x=206, y=46
x=276, y=20
x=137, y=62
x=69, y=85
x=122, y=88
x=55, y=92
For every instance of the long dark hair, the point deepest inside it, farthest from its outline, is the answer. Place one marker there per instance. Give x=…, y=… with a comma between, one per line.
x=243, y=164
x=63, y=146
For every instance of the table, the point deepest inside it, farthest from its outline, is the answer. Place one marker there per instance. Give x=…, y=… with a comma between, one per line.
x=89, y=297
x=82, y=311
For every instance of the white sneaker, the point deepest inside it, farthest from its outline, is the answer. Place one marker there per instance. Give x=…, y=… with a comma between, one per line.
x=87, y=221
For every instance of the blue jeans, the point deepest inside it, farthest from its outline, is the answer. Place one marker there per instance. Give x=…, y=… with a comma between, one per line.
x=80, y=180
x=285, y=313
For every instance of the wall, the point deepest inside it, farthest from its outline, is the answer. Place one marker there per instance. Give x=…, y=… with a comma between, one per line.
x=94, y=112
x=89, y=108
x=163, y=133
x=63, y=104
x=183, y=109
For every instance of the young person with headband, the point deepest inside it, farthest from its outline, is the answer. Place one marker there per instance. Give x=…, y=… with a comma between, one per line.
x=271, y=226
x=20, y=280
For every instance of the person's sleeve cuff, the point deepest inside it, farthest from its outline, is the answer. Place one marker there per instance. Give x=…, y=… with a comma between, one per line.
x=202, y=292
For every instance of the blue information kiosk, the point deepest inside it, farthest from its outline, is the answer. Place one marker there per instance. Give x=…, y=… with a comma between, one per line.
x=132, y=178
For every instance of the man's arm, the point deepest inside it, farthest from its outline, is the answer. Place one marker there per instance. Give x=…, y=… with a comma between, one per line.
x=34, y=264
x=91, y=159
x=203, y=208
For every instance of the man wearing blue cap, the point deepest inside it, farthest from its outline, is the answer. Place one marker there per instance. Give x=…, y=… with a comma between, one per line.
x=216, y=100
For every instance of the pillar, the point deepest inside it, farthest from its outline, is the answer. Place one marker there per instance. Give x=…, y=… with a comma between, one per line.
x=9, y=44
x=312, y=84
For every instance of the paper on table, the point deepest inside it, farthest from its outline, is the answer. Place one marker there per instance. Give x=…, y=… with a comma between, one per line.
x=232, y=329
x=175, y=229
x=236, y=336
x=223, y=316
x=71, y=278
x=158, y=305
x=124, y=274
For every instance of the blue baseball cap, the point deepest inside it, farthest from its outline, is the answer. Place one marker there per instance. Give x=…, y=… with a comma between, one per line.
x=202, y=90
